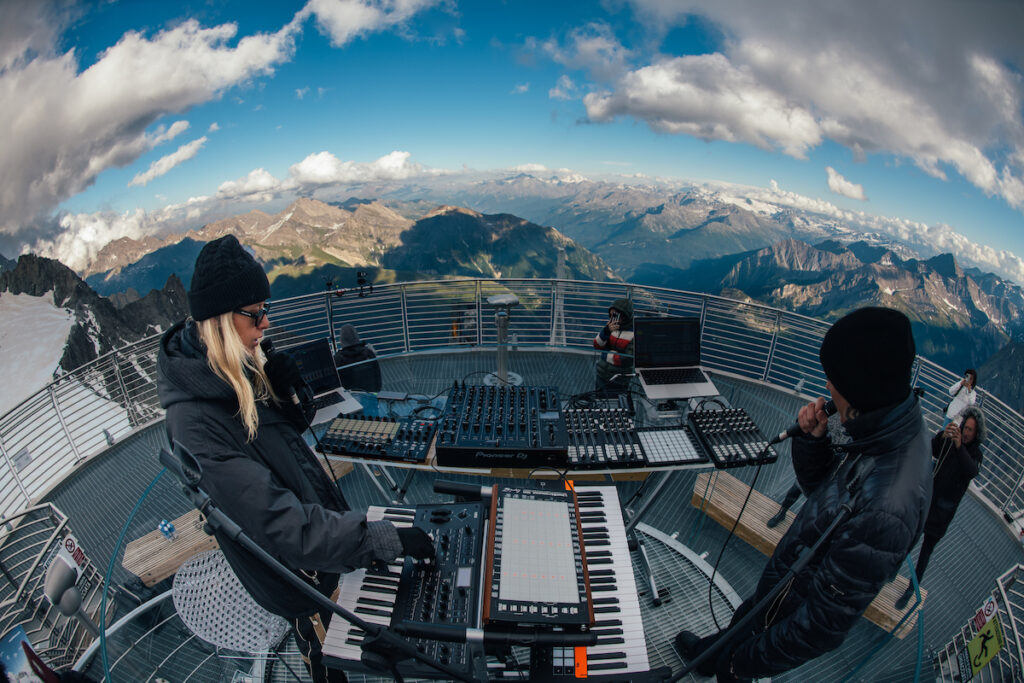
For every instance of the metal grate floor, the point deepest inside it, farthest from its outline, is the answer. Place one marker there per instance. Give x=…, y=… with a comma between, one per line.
x=99, y=497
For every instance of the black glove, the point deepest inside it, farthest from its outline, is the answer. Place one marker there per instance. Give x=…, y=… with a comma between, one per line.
x=283, y=373
x=416, y=543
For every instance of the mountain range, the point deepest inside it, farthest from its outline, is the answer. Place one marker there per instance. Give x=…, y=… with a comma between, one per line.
x=960, y=317
x=694, y=239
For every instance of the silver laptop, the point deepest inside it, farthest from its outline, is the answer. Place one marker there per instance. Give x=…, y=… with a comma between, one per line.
x=316, y=363
x=667, y=358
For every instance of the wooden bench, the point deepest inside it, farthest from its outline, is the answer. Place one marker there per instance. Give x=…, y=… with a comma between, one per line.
x=721, y=495
x=153, y=558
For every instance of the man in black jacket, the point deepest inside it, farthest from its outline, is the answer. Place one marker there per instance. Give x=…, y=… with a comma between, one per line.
x=882, y=475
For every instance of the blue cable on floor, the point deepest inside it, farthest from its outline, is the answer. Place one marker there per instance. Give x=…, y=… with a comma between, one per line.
x=110, y=571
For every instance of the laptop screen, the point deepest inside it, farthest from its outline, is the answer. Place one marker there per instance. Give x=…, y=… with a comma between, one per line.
x=316, y=363
x=666, y=342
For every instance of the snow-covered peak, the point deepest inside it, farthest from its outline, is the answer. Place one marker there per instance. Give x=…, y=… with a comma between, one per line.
x=34, y=331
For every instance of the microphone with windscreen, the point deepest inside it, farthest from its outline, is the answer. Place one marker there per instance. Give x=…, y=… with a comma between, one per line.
x=795, y=428
x=268, y=350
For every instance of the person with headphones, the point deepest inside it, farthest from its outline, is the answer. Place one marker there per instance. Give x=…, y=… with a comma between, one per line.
x=239, y=413
x=867, y=500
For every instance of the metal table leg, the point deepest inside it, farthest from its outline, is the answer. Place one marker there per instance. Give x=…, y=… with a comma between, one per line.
x=373, y=478
x=663, y=478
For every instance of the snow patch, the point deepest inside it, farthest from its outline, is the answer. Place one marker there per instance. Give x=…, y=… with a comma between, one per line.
x=33, y=334
x=949, y=303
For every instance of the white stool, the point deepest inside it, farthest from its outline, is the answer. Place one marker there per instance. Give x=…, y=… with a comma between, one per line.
x=214, y=605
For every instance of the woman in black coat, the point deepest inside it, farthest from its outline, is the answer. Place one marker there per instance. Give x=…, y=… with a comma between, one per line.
x=231, y=407
x=956, y=451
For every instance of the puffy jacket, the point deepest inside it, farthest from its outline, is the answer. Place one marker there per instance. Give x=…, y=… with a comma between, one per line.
x=272, y=487
x=887, y=478
x=962, y=398
x=619, y=359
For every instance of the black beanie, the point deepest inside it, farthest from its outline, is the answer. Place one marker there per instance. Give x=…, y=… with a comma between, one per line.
x=226, y=278
x=868, y=355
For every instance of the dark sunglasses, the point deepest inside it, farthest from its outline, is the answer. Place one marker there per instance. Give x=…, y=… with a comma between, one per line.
x=257, y=316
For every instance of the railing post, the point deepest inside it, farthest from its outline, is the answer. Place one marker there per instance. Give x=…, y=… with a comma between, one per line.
x=63, y=424
x=405, y=320
x=133, y=419
x=14, y=475
x=479, y=317
x=771, y=347
x=330, y=318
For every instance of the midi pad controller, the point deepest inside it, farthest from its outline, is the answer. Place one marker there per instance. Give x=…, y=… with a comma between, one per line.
x=601, y=438
x=730, y=438
x=502, y=426
x=381, y=438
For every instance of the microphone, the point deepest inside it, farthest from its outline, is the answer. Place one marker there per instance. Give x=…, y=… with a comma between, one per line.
x=795, y=428
x=268, y=350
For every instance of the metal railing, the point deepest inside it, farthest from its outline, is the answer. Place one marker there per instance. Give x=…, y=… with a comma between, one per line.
x=951, y=661
x=76, y=417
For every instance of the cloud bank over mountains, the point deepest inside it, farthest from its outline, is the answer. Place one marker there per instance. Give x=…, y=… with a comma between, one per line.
x=938, y=84
x=82, y=122
x=326, y=177
x=934, y=84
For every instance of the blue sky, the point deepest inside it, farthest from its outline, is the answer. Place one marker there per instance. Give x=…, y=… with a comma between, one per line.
x=124, y=118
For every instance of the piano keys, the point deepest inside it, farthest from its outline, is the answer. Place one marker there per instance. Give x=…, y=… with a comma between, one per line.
x=620, y=655
x=447, y=593
x=621, y=650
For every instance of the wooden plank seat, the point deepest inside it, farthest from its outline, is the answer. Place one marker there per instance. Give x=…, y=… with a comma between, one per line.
x=721, y=495
x=153, y=558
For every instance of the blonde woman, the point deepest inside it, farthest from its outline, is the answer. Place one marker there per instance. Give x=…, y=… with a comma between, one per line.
x=231, y=407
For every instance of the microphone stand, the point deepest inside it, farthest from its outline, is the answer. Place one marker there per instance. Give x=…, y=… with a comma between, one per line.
x=388, y=649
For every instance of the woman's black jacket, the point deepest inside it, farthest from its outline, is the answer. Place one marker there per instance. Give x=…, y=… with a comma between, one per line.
x=271, y=486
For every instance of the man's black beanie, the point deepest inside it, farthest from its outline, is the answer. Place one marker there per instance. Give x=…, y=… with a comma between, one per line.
x=226, y=278
x=868, y=355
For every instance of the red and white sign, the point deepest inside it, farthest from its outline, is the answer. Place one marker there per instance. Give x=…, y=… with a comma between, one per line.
x=985, y=614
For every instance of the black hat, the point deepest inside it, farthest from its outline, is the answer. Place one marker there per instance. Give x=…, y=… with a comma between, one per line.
x=226, y=278
x=868, y=355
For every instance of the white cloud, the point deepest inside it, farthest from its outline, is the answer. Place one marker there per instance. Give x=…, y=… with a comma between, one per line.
x=214, y=127
x=708, y=97
x=938, y=86
x=593, y=48
x=842, y=186
x=530, y=168
x=345, y=20
x=521, y=88
x=258, y=186
x=565, y=89
x=301, y=92
x=324, y=168
x=63, y=127
x=166, y=163
x=84, y=235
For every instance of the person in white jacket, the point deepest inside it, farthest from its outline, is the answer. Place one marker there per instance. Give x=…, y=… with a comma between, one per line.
x=964, y=394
